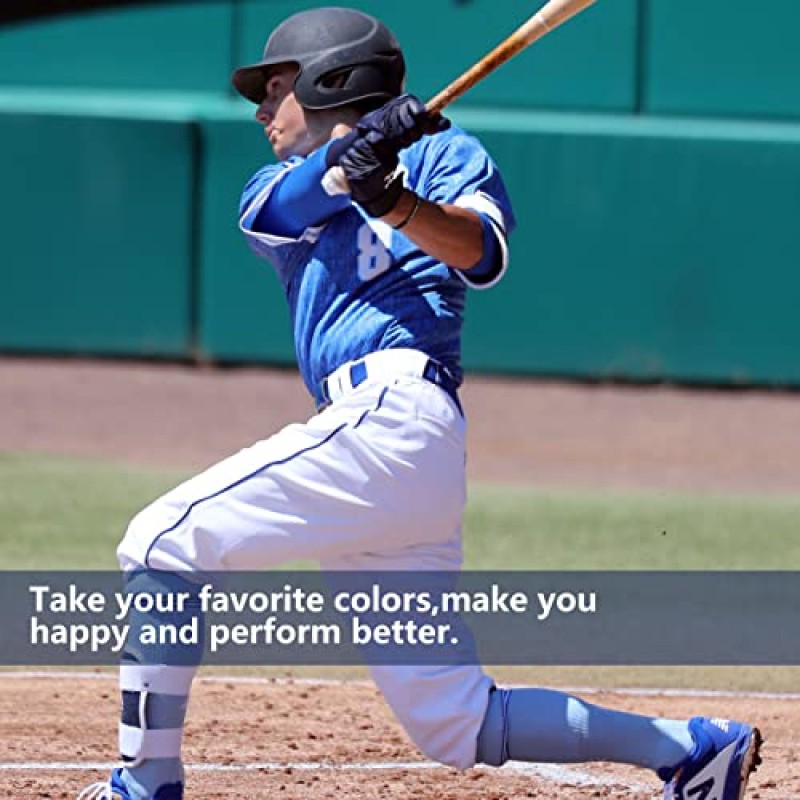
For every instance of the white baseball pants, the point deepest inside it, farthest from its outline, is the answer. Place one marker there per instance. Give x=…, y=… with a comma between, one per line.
x=374, y=482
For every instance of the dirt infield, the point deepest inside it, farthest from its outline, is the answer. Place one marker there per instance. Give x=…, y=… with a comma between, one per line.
x=541, y=433
x=299, y=741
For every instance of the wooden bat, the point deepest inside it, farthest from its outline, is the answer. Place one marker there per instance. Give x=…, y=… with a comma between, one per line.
x=545, y=20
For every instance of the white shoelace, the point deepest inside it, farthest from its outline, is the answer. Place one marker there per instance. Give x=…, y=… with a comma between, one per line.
x=96, y=791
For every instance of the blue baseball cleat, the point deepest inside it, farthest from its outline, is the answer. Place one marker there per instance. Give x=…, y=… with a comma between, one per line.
x=725, y=754
x=114, y=789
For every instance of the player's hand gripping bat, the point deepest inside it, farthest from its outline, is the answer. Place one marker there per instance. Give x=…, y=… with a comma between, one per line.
x=545, y=20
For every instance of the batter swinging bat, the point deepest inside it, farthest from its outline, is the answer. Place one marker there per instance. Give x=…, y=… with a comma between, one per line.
x=545, y=20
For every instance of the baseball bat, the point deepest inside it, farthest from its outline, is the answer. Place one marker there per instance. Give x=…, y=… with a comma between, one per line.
x=545, y=20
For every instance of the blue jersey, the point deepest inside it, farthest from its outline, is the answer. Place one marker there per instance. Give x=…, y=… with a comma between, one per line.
x=355, y=285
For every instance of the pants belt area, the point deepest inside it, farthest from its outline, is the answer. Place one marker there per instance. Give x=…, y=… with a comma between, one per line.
x=387, y=365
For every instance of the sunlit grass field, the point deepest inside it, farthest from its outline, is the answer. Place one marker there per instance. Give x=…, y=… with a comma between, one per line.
x=61, y=513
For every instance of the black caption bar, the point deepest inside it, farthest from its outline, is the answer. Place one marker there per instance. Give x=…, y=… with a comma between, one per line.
x=23, y=10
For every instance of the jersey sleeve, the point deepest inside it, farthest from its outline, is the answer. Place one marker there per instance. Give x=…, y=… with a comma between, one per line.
x=279, y=250
x=463, y=174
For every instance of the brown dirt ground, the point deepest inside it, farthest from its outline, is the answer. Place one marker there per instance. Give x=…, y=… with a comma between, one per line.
x=543, y=433
x=55, y=721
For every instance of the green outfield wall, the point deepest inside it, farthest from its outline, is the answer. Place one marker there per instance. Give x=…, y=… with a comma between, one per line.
x=243, y=314
x=171, y=46
x=651, y=148
x=629, y=260
x=647, y=249
x=722, y=57
x=442, y=39
x=97, y=241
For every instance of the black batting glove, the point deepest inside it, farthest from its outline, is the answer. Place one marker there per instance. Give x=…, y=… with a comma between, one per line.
x=368, y=155
x=372, y=175
x=399, y=123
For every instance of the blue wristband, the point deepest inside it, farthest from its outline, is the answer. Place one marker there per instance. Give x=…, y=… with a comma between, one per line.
x=337, y=147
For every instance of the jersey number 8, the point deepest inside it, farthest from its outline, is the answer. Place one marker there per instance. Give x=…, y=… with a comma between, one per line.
x=374, y=258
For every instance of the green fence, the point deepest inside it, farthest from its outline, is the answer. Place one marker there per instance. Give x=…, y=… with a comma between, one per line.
x=645, y=249
x=442, y=39
x=651, y=147
x=97, y=233
x=243, y=313
x=722, y=57
x=180, y=47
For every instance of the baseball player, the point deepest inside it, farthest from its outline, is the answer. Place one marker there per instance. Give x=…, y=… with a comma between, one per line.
x=376, y=271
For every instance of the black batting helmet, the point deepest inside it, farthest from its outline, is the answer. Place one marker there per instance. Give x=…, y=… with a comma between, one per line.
x=344, y=56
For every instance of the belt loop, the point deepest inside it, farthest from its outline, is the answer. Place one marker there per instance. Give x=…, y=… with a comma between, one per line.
x=358, y=373
x=431, y=373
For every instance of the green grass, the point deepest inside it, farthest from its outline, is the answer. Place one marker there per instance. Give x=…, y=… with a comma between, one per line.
x=62, y=513
x=527, y=529
x=739, y=679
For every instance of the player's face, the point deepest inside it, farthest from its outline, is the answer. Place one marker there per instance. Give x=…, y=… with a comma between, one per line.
x=283, y=118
